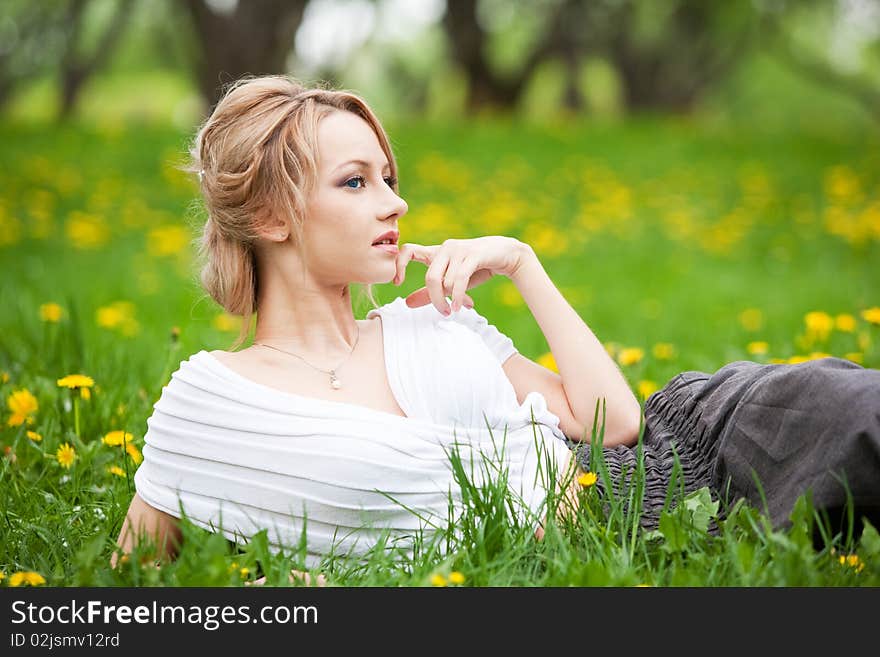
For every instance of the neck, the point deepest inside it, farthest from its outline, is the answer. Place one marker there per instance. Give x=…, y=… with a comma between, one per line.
x=308, y=321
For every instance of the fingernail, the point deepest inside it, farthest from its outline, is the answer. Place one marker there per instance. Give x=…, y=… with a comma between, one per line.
x=447, y=311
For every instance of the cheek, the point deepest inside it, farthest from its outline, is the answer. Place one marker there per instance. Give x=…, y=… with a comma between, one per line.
x=337, y=237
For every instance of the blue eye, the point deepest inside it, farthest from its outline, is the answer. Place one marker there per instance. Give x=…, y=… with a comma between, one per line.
x=391, y=182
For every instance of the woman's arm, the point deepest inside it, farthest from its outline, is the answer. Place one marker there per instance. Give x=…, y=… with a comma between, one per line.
x=586, y=369
x=142, y=520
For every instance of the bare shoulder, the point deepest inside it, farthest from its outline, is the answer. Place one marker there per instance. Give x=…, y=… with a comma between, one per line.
x=238, y=359
x=247, y=362
x=224, y=357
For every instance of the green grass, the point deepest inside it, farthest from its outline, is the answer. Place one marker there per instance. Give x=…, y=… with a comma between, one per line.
x=632, y=275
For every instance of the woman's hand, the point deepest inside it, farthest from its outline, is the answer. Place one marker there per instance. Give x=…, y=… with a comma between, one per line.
x=458, y=265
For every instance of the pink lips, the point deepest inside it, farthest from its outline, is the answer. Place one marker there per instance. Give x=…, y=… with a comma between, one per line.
x=388, y=248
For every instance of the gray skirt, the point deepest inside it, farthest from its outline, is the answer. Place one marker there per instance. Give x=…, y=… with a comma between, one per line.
x=765, y=433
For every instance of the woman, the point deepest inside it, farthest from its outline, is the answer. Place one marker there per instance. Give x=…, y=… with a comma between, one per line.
x=342, y=429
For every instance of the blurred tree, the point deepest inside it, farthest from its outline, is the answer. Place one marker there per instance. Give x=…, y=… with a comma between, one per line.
x=814, y=50
x=40, y=38
x=76, y=67
x=29, y=33
x=252, y=37
x=665, y=52
x=669, y=52
x=468, y=46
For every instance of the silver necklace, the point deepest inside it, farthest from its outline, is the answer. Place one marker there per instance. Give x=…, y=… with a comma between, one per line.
x=335, y=383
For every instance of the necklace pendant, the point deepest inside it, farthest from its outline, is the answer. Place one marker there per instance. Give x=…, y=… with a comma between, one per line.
x=335, y=383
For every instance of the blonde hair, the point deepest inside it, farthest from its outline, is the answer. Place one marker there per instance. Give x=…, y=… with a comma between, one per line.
x=256, y=157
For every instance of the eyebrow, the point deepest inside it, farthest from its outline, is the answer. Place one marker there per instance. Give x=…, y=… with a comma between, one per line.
x=362, y=163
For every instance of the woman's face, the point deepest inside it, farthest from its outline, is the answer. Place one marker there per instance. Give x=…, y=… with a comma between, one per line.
x=351, y=206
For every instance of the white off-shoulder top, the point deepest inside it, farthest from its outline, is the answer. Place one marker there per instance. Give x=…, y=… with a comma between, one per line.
x=237, y=456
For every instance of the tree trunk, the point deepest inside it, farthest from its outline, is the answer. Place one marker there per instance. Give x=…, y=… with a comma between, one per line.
x=75, y=71
x=467, y=41
x=674, y=73
x=254, y=39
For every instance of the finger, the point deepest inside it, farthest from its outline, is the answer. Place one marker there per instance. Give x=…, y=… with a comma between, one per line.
x=449, y=278
x=409, y=252
x=459, y=282
x=434, y=282
x=420, y=298
x=404, y=255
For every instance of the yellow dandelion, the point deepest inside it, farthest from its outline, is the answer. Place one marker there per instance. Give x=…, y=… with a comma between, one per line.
x=856, y=357
x=26, y=577
x=819, y=324
x=65, y=455
x=134, y=453
x=438, y=580
x=853, y=561
x=630, y=356
x=2, y=575
x=116, y=470
x=646, y=388
x=872, y=315
x=797, y=358
x=118, y=315
x=779, y=360
x=23, y=405
x=76, y=381
x=587, y=479
x=751, y=319
x=50, y=312
x=33, y=435
x=757, y=348
x=244, y=572
x=109, y=317
x=167, y=240
x=845, y=323
x=548, y=361
x=116, y=438
x=4, y=377
x=817, y=355
x=509, y=295
x=87, y=231
x=226, y=322
x=456, y=577
x=663, y=351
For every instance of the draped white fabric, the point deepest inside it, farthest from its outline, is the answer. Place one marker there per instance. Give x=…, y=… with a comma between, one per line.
x=239, y=456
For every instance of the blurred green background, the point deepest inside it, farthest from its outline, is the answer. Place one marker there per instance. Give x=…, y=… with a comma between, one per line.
x=700, y=179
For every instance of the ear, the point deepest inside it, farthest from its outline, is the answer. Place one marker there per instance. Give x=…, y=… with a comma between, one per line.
x=273, y=228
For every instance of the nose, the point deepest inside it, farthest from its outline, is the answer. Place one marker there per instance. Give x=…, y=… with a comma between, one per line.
x=397, y=206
